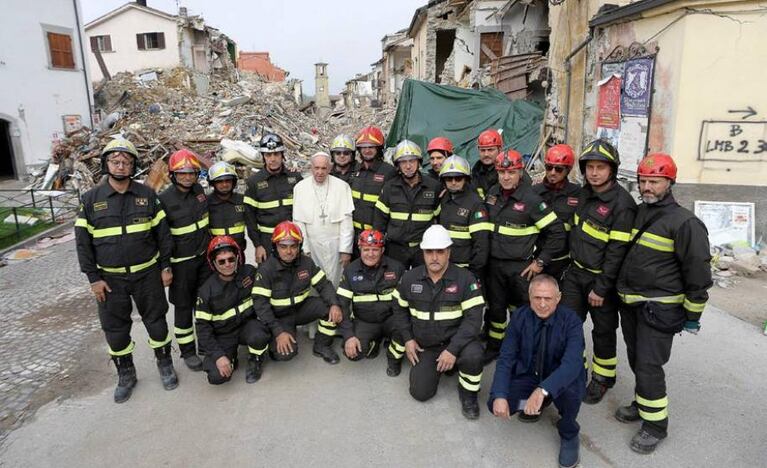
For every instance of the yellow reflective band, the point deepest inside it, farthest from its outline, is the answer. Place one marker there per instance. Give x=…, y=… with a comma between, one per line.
x=83, y=223
x=659, y=403
x=447, y=315
x=657, y=416
x=125, y=351
x=546, y=220
x=141, y=227
x=227, y=314
x=576, y=218
x=592, y=270
x=397, y=346
x=477, y=227
x=398, y=215
x=185, y=339
x=132, y=268
x=343, y=292
x=372, y=297
x=474, y=301
x=481, y=193
x=290, y=300
x=694, y=306
x=471, y=378
x=200, y=315
x=158, y=217
x=606, y=362
x=634, y=298
x=655, y=242
x=250, y=201
x=317, y=277
x=258, y=352
x=561, y=258
x=402, y=302
x=606, y=153
x=381, y=206
x=496, y=335
x=413, y=244
x=462, y=265
x=568, y=228
x=265, y=229
x=512, y=231
x=470, y=383
x=182, y=331
x=268, y=205
x=599, y=370
x=326, y=328
x=181, y=259
x=438, y=210
x=394, y=352
x=459, y=234
x=356, y=194
x=370, y=197
x=599, y=235
x=620, y=236
x=499, y=325
x=158, y=344
x=190, y=228
x=228, y=231
x=287, y=202
x=106, y=232
x=360, y=226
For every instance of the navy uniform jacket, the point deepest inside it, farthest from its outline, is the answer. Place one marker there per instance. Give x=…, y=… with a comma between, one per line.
x=563, y=365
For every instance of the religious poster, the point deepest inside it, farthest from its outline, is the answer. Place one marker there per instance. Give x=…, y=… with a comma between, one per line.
x=609, y=102
x=637, y=87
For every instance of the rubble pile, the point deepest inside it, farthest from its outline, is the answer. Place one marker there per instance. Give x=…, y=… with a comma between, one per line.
x=220, y=117
x=736, y=259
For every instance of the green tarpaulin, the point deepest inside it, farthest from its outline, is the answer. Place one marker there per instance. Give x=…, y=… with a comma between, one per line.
x=427, y=110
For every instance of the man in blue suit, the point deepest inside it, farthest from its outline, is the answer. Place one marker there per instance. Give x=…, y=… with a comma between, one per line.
x=541, y=361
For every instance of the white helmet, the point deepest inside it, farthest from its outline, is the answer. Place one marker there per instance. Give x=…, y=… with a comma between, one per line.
x=435, y=238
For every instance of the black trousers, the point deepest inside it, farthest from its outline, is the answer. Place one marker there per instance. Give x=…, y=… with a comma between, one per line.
x=424, y=377
x=247, y=334
x=506, y=290
x=372, y=335
x=576, y=286
x=307, y=312
x=408, y=256
x=556, y=268
x=146, y=290
x=648, y=350
x=188, y=276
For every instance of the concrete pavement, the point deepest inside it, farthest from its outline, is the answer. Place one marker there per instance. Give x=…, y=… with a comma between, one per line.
x=308, y=413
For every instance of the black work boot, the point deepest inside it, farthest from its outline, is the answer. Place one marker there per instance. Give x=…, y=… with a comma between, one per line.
x=190, y=357
x=126, y=377
x=643, y=442
x=393, y=366
x=323, y=348
x=492, y=349
x=253, y=373
x=469, y=404
x=374, y=350
x=627, y=414
x=595, y=392
x=165, y=366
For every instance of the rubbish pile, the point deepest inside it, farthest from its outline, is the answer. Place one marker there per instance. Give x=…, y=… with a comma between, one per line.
x=736, y=259
x=221, y=116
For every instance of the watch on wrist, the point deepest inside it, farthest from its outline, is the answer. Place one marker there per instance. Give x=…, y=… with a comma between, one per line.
x=540, y=262
x=543, y=390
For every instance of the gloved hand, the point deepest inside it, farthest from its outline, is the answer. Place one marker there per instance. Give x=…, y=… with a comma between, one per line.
x=692, y=326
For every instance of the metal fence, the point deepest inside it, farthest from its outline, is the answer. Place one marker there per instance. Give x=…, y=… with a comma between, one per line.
x=49, y=206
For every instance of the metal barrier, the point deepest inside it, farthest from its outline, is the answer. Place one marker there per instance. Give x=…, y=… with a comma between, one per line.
x=56, y=205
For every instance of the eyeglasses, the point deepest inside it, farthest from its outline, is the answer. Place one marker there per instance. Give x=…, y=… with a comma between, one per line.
x=120, y=163
x=559, y=169
x=226, y=261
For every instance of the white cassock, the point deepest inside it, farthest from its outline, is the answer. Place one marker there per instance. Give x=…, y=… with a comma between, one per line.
x=324, y=214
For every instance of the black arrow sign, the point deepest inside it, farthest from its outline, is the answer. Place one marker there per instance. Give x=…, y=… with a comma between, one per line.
x=750, y=112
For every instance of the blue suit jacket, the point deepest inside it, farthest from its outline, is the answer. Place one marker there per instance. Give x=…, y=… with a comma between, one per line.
x=564, y=355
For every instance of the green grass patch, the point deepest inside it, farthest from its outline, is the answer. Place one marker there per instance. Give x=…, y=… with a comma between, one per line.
x=8, y=233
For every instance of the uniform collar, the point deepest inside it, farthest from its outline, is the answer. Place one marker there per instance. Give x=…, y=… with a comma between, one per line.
x=606, y=196
x=449, y=274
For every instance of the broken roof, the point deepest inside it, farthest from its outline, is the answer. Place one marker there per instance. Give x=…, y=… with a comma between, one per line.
x=626, y=12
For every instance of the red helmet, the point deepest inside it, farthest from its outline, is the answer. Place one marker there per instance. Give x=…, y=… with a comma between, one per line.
x=370, y=136
x=657, y=165
x=440, y=144
x=223, y=242
x=560, y=155
x=507, y=160
x=370, y=238
x=489, y=139
x=183, y=160
x=287, y=233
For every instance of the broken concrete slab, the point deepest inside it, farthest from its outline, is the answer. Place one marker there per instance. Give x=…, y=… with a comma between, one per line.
x=235, y=101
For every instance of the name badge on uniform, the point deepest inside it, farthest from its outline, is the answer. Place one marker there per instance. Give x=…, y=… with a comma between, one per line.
x=303, y=274
x=603, y=210
x=452, y=289
x=390, y=275
x=239, y=208
x=378, y=178
x=416, y=288
x=142, y=202
x=99, y=206
x=262, y=185
x=519, y=206
x=428, y=194
x=463, y=212
x=572, y=201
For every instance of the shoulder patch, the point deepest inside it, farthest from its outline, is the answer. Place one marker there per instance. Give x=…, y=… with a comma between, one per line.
x=452, y=288
x=303, y=274
x=474, y=286
x=572, y=201
x=378, y=177
x=542, y=206
x=390, y=275
x=603, y=210
x=480, y=214
x=519, y=206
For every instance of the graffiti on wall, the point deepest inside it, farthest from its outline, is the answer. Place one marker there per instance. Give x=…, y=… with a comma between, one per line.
x=733, y=140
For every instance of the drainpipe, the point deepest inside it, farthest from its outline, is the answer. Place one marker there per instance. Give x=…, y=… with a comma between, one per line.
x=568, y=72
x=85, y=70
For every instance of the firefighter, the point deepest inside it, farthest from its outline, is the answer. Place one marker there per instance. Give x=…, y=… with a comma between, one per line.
x=342, y=154
x=663, y=285
x=224, y=314
x=124, y=247
x=186, y=208
x=367, y=183
x=483, y=173
x=599, y=237
x=439, y=149
x=561, y=195
x=282, y=301
x=269, y=195
x=439, y=314
x=518, y=215
x=464, y=216
x=226, y=207
x=365, y=293
x=407, y=206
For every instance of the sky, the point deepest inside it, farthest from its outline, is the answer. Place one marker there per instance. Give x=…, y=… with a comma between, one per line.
x=346, y=34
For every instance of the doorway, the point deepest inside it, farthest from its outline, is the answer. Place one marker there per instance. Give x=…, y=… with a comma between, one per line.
x=445, y=41
x=7, y=170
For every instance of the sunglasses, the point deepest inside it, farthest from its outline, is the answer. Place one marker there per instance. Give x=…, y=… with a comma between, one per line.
x=559, y=169
x=226, y=261
x=343, y=153
x=452, y=178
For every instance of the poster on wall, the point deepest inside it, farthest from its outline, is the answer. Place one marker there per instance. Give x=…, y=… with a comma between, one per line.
x=727, y=221
x=615, y=68
x=609, y=102
x=637, y=87
x=72, y=123
x=631, y=145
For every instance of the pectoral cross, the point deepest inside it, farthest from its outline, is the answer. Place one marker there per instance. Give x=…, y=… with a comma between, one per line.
x=323, y=216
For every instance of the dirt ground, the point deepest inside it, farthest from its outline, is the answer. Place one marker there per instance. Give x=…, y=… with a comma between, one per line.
x=744, y=299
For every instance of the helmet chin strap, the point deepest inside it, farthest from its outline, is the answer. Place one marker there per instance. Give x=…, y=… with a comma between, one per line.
x=119, y=178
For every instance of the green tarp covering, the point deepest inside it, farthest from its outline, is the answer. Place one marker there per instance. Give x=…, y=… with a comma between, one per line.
x=427, y=110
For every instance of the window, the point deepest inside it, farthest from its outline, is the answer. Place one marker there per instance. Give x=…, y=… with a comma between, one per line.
x=60, y=48
x=102, y=43
x=491, y=47
x=150, y=41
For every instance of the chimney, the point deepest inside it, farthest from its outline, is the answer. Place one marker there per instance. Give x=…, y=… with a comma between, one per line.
x=141, y=2
x=182, y=12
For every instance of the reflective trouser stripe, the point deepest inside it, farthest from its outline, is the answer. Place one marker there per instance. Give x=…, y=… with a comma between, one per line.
x=159, y=344
x=652, y=410
x=497, y=330
x=470, y=382
x=396, y=349
x=326, y=328
x=372, y=347
x=258, y=352
x=604, y=367
x=125, y=351
x=184, y=335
